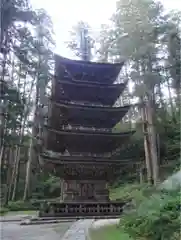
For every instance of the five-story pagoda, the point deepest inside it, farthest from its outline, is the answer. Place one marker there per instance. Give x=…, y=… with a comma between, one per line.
x=79, y=132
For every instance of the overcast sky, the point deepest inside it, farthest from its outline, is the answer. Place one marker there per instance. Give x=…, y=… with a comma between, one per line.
x=66, y=13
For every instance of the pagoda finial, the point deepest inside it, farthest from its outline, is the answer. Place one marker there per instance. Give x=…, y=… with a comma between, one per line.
x=85, y=42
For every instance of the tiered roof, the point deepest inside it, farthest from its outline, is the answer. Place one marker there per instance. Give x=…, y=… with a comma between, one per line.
x=85, y=115
x=102, y=73
x=81, y=118
x=76, y=141
x=95, y=93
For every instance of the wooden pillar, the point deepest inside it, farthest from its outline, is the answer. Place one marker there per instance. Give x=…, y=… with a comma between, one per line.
x=140, y=169
x=61, y=190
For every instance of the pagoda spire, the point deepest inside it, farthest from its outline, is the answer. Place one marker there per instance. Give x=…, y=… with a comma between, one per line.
x=85, y=42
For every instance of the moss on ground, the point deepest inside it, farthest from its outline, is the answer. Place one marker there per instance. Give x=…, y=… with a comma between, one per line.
x=112, y=232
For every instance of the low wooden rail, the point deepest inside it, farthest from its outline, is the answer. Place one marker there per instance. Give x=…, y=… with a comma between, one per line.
x=82, y=210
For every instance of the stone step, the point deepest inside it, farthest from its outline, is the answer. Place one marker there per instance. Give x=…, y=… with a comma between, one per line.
x=39, y=221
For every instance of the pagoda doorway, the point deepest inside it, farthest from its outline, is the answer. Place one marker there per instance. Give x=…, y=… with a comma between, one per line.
x=87, y=191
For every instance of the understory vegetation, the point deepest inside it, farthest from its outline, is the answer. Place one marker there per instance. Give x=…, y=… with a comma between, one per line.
x=154, y=214
x=157, y=217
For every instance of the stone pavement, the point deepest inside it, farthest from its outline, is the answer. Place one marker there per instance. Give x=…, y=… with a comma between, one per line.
x=104, y=222
x=13, y=231
x=14, y=218
x=61, y=231
x=78, y=230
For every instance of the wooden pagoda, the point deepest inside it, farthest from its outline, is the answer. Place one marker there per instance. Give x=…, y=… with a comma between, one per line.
x=78, y=140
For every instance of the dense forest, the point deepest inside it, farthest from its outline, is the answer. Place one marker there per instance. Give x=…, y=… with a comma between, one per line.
x=142, y=34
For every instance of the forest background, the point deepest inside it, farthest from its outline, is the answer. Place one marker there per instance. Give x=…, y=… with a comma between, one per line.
x=151, y=47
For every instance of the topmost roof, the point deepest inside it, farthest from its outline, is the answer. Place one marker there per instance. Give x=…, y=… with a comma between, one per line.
x=67, y=69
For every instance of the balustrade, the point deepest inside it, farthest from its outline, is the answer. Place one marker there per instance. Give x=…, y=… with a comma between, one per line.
x=82, y=209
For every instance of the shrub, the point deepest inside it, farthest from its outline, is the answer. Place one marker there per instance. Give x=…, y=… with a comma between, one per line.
x=157, y=218
x=21, y=206
x=3, y=210
x=138, y=192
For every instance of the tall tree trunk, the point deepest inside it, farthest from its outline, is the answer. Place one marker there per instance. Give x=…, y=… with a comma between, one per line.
x=178, y=99
x=36, y=131
x=28, y=167
x=12, y=169
x=140, y=170
x=8, y=178
x=3, y=109
x=1, y=156
x=17, y=159
x=146, y=143
x=31, y=153
x=3, y=141
x=153, y=144
x=15, y=172
x=161, y=101
x=170, y=98
x=151, y=123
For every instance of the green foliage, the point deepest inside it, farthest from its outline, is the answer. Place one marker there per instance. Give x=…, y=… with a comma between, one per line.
x=168, y=130
x=148, y=32
x=21, y=206
x=155, y=218
x=13, y=104
x=108, y=233
x=3, y=210
x=172, y=136
x=46, y=187
x=22, y=75
x=137, y=192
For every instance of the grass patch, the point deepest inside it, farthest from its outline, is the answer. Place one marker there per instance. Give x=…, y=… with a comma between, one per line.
x=112, y=232
x=24, y=207
x=7, y=212
x=19, y=207
x=26, y=212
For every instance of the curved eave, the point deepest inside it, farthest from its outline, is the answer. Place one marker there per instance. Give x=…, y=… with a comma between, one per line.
x=70, y=105
x=90, y=84
x=104, y=95
x=85, y=115
x=85, y=160
x=87, y=69
x=78, y=132
x=76, y=141
x=75, y=157
x=87, y=63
